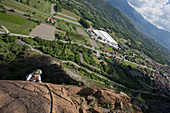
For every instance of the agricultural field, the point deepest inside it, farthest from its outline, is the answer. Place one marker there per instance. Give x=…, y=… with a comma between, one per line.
x=70, y=13
x=29, y=11
x=79, y=38
x=40, y=5
x=66, y=26
x=43, y=31
x=16, y=24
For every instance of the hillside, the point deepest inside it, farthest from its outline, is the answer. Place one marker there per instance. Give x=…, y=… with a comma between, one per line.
x=141, y=24
x=57, y=44
x=22, y=97
x=18, y=61
x=103, y=15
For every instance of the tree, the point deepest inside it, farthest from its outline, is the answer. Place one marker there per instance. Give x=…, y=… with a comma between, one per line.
x=84, y=23
x=58, y=8
x=10, y=57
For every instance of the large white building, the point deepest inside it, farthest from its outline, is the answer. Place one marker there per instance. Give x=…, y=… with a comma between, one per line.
x=104, y=37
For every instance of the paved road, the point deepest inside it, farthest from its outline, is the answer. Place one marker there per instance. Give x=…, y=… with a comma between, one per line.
x=67, y=20
x=6, y=30
x=15, y=10
x=67, y=16
x=71, y=63
x=14, y=34
x=23, y=43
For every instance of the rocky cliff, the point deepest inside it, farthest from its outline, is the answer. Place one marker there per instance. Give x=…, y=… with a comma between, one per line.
x=31, y=97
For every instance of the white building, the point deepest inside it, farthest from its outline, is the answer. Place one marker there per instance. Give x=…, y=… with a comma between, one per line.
x=104, y=37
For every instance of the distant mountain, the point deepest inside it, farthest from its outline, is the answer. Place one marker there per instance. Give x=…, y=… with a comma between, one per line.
x=161, y=36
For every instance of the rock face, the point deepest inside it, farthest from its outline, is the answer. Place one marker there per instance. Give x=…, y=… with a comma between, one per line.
x=28, y=61
x=31, y=97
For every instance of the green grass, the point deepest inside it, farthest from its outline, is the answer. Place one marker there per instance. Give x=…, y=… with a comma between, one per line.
x=42, y=5
x=88, y=41
x=16, y=24
x=29, y=11
x=109, y=48
x=70, y=13
x=78, y=38
x=12, y=18
x=66, y=26
x=128, y=63
x=63, y=26
x=100, y=44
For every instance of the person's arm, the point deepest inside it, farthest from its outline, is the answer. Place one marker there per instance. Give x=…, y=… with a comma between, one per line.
x=29, y=77
x=39, y=78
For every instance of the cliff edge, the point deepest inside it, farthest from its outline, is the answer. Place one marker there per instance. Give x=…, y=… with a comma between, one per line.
x=32, y=97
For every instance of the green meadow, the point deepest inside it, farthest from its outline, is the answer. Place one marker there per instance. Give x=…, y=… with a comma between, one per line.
x=16, y=24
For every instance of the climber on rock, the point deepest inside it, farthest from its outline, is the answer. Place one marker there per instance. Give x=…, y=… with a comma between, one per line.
x=34, y=76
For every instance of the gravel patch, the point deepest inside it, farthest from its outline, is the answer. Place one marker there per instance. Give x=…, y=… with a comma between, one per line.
x=52, y=9
x=81, y=32
x=44, y=31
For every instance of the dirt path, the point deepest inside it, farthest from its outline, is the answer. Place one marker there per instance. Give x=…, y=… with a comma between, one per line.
x=43, y=31
x=93, y=42
x=52, y=9
x=81, y=32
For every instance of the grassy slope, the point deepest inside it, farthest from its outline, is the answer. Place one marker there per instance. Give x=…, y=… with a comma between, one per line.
x=16, y=24
x=42, y=5
x=24, y=9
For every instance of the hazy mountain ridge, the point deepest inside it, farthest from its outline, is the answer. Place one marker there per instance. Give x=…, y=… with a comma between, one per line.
x=141, y=24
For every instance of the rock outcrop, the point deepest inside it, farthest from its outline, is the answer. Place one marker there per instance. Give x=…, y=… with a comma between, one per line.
x=31, y=97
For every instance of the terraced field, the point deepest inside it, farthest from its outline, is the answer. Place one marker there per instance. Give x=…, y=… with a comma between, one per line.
x=16, y=24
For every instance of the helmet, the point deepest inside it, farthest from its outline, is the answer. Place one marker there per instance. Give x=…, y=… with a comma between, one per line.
x=38, y=71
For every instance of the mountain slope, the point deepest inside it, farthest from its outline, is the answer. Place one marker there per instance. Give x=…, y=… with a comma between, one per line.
x=103, y=15
x=146, y=27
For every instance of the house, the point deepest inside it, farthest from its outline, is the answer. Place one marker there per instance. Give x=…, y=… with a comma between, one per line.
x=51, y=20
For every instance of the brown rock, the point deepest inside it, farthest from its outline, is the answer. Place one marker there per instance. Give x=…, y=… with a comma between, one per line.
x=138, y=109
x=33, y=97
x=94, y=110
x=81, y=110
x=87, y=91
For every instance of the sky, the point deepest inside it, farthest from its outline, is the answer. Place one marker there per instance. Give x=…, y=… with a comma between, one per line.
x=156, y=12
